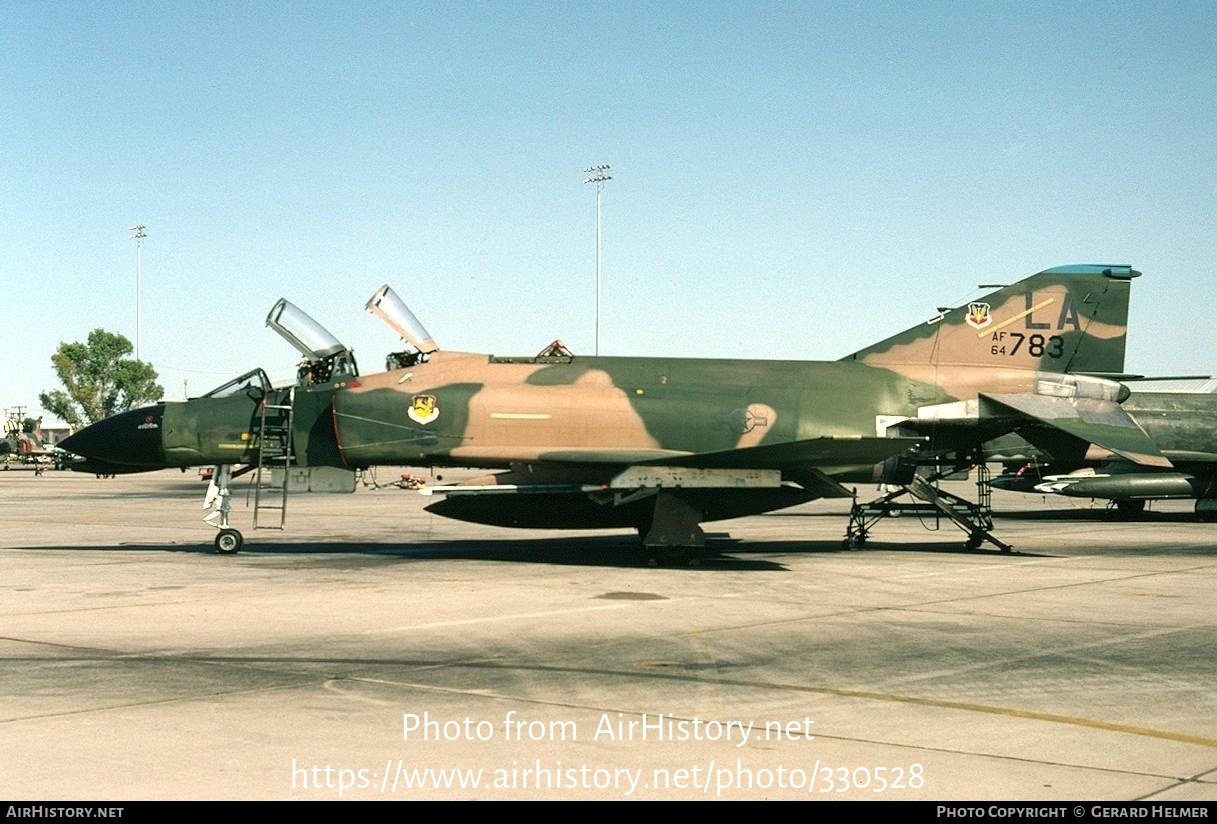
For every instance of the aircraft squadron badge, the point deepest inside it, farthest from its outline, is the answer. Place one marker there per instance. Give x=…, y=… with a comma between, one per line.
x=978, y=315
x=422, y=409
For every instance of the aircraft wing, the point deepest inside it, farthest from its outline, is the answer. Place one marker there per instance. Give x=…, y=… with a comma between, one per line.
x=577, y=488
x=826, y=453
x=791, y=472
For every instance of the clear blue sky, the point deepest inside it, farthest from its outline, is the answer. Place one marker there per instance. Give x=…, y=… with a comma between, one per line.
x=791, y=180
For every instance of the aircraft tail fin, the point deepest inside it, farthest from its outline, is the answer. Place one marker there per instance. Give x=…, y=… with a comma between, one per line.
x=1067, y=319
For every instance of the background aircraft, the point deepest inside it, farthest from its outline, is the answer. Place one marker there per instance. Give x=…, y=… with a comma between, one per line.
x=22, y=442
x=658, y=444
x=1183, y=425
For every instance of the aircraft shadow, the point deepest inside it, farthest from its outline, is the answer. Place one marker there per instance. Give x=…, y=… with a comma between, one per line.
x=720, y=554
x=607, y=551
x=1099, y=515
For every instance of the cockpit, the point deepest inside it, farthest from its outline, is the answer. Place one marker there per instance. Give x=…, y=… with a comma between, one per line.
x=325, y=358
x=386, y=305
x=253, y=383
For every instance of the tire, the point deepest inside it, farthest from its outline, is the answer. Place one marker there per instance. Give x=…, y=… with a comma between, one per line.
x=669, y=555
x=1130, y=509
x=229, y=541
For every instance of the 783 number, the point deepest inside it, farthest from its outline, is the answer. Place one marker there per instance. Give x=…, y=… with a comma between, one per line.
x=1036, y=345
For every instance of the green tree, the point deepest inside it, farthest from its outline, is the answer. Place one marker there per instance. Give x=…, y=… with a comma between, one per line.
x=100, y=380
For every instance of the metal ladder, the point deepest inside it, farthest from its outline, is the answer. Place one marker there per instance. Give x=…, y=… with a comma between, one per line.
x=975, y=519
x=274, y=452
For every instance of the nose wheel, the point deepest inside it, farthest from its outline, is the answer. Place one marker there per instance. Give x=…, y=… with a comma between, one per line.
x=229, y=541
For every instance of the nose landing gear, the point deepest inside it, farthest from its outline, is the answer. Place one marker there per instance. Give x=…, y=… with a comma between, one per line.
x=228, y=540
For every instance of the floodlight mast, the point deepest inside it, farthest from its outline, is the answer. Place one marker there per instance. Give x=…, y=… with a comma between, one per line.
x=138, y=233
x=599, y=176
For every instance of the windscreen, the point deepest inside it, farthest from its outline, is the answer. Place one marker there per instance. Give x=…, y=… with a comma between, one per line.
x=254, y=379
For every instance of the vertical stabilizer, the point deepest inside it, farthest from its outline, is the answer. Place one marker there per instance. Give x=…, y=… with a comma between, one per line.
x=1067, y=319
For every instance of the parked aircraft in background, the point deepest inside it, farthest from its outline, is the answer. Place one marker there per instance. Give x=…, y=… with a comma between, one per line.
x=658, y=444
x=1183, y=425
x=22, y=442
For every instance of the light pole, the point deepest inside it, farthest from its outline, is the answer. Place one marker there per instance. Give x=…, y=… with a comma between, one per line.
x=599, y=176
x=138, y=233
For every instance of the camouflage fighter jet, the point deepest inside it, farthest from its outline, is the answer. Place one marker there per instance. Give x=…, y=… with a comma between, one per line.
x=1183, y=425
x=657, y=444
x=22, y=442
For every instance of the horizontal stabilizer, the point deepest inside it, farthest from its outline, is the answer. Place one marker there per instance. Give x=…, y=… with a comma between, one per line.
x=1101, y=422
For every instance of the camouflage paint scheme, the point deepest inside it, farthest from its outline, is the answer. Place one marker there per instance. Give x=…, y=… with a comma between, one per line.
x=663, y=444
x=23, y=446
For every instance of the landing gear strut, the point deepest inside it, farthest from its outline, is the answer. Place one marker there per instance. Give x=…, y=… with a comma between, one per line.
x=673, y=535
x=228, y=540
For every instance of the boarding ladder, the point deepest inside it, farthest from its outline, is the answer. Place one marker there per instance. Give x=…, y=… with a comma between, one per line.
x=274, y=453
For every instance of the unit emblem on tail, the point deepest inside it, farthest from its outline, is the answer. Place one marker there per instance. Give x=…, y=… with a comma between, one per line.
x=978, y=315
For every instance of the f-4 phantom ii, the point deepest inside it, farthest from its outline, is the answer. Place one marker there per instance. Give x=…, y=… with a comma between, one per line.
x=660, y=445
x=22, y=442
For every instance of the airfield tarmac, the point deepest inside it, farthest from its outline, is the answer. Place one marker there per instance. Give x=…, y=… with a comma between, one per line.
x=137, y=664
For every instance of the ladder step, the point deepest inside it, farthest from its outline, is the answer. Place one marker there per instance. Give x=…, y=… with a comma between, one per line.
x=274, y=452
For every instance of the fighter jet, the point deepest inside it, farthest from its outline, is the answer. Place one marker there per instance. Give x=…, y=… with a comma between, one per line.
x=660, y=445
x=1183, y=425
x=22, y=442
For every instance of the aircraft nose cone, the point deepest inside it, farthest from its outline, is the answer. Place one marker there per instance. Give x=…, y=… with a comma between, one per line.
x=129, y=438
